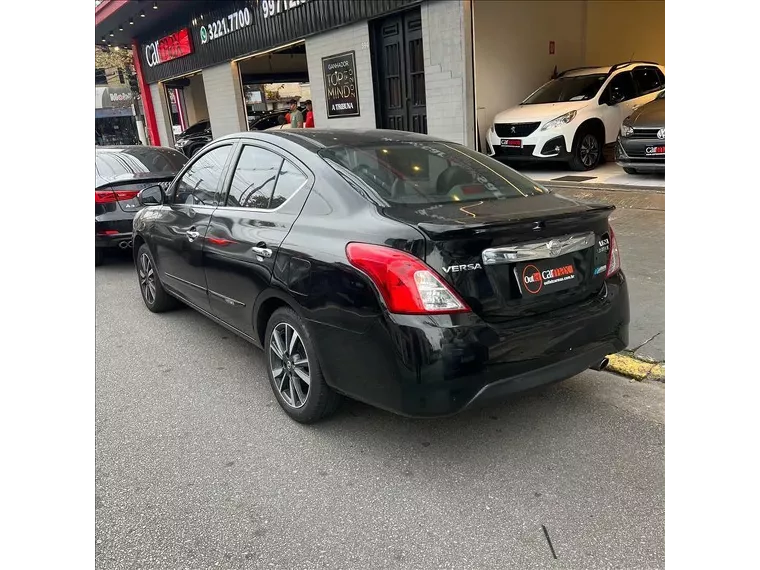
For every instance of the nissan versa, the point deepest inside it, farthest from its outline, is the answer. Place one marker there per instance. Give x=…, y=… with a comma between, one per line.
x=401, y=270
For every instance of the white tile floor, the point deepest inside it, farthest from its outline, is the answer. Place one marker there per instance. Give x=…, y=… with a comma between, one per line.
x=607, y=173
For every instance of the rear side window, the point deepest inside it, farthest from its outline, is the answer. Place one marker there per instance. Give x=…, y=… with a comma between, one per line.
x=290, y=180
x=648, y=79
x=200, y=182
x=417, y=173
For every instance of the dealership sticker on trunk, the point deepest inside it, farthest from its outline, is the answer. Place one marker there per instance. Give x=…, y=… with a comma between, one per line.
x=517, y=143
x=546, y=276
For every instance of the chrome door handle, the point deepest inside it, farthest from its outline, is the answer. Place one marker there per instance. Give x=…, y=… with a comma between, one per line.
x=262, y=251
x=192, y=235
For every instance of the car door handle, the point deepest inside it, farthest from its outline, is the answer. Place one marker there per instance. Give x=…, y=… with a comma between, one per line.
x=262, y=251
x=192, y=235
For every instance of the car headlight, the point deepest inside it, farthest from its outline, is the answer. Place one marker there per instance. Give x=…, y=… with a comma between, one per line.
x=626, y=130
x=559, y=121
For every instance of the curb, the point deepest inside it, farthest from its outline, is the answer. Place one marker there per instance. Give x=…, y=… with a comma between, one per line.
x=632, y=367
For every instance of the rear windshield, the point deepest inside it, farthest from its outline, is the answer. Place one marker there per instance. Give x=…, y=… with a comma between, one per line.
x=118, y=162
x=428, y=173
x=580, y=88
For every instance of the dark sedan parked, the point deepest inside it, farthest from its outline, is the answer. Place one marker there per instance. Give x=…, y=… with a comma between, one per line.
x=640, y=145
x=194, y=138
x=120, y=173
x=404, y=271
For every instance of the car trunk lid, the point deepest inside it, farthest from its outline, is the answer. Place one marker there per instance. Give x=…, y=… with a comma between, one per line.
x=518, y=257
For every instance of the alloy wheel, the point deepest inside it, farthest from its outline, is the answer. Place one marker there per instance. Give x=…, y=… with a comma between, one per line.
x=147, y=279
x=289, y=365
x=589, y=150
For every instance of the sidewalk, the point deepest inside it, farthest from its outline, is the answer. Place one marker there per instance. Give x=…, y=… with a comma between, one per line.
x=639, y=224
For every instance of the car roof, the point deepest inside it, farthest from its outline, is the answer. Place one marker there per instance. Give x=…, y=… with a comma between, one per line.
x=316, y=139
x=606, y=69
x=587, y=71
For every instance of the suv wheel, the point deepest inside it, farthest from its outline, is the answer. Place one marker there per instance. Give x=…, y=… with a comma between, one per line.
x=588, y=151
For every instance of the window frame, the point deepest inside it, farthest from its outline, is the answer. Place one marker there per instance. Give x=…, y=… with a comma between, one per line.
x=172, y=191
x=284, y=155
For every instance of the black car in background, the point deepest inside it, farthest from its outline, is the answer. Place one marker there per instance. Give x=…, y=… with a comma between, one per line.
x=194, y=138
x=640, y=144
x=199, y=135
x=408, y=272
x=120, y=173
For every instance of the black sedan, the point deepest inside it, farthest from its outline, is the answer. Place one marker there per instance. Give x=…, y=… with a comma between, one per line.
x=640, y=145
x=194, y=138
x=120, y=173
x=408, y=272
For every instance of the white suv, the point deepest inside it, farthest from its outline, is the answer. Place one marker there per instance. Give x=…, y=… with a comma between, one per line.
x=570, y=118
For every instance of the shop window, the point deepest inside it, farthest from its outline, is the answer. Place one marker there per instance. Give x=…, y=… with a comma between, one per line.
x=201, y=181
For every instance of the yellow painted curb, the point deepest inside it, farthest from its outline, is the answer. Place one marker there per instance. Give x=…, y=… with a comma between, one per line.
x=632, y=367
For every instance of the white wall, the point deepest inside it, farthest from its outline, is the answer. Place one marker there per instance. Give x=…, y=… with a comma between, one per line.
x=511, y=43
x=195, y=100
x=163, y=117
x=354, y=37
x=448, y=91
x=224, y=99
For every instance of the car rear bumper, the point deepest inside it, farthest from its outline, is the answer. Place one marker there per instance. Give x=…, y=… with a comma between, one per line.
x=114, y=230
x=440, y=365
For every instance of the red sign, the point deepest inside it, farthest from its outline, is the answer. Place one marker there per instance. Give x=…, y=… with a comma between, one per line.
x=171, y=47
x=551, y=48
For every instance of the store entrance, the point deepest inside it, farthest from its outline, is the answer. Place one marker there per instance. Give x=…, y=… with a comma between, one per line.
x=269, y=81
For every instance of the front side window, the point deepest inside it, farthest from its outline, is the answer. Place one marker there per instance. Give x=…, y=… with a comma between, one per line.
x=199, y=184
x=290, y=181
x=417, y=173
x=623, y=83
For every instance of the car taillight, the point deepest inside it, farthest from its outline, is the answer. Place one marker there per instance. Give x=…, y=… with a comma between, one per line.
x=613, y=261
x=407, y=285
x=115, y=195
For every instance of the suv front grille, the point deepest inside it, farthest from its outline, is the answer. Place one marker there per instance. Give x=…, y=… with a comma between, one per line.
x=506, y=130
x=644, y=133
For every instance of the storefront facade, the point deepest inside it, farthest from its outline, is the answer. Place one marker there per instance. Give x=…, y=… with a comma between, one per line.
x=384, y=63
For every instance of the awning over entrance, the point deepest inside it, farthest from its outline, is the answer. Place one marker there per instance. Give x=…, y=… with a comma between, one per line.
x=113, y=98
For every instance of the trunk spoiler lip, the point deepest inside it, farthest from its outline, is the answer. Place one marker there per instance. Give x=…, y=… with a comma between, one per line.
x=142, y=177
x=442, y=230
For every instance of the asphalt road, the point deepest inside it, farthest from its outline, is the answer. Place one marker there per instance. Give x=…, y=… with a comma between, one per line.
x=197, y=467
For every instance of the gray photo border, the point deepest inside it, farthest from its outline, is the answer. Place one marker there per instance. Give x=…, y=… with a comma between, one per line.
x=669, y=294
x=91, y=502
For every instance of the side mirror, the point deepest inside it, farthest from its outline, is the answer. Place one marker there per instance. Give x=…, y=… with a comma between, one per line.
x=151, y=196
x=616, y=96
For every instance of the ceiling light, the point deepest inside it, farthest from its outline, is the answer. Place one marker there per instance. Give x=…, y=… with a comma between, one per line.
x=142, y=13
x=121, y=28
x=111, y=34
x=131, y=21
x=103, y=39
x=155, y=5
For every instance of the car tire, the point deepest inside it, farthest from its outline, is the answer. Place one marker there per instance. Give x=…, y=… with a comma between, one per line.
x=629, y=170
x=99, y=255
x=155, y=297
x=587, y=150
x=288, y=369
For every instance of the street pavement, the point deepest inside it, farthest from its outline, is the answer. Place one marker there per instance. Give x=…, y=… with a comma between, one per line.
x=197, y=467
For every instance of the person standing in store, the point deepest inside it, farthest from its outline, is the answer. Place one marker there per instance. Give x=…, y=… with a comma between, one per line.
x=309, y=123
x=296, y=116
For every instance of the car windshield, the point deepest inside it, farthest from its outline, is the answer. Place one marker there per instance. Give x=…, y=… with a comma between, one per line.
x=410, y=172
x=111, y=163
x=196, y=128
x=579, y=88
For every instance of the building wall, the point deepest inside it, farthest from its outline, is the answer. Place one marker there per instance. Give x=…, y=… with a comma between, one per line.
x=623, y=30
x=447, y=87
x=353, y=37
x=511, y=42
x=195, y=100
x=224, y=99
x=163, y=117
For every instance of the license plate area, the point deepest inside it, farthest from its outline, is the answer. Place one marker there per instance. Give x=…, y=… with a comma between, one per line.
x=655, y=150
x=546, y=276
x=514, y=143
